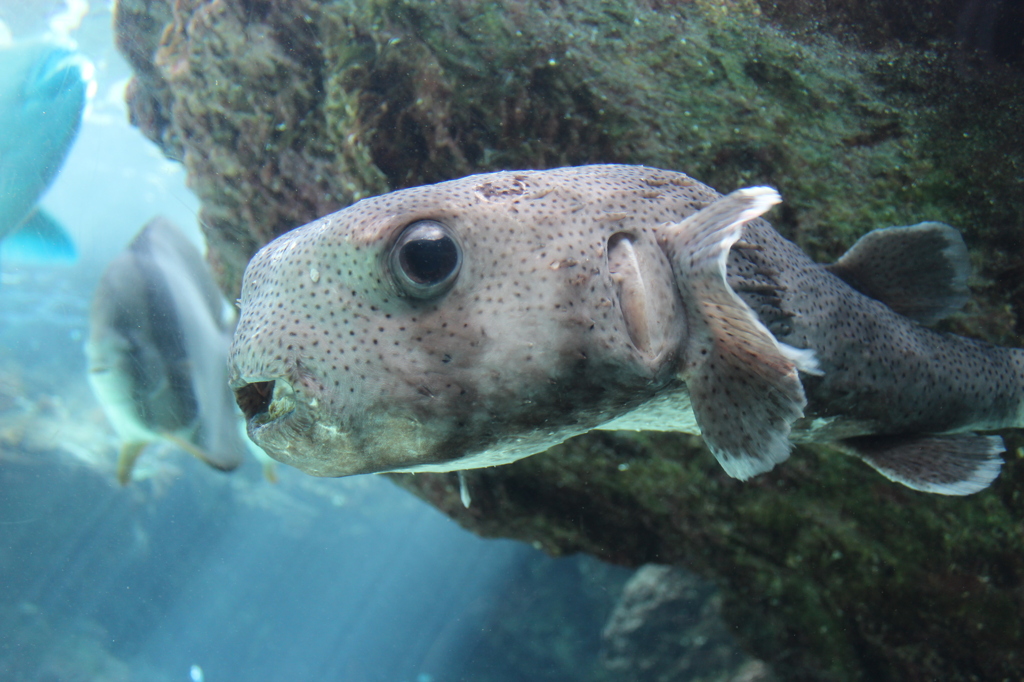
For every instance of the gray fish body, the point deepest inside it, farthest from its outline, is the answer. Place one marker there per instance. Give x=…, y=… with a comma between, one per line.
x=156, y=350
x=583, y=298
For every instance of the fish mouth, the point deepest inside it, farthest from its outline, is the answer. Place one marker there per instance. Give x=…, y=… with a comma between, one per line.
x=265, y=402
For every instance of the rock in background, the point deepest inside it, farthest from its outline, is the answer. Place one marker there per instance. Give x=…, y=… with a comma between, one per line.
x=667, y=627
x=863, y=113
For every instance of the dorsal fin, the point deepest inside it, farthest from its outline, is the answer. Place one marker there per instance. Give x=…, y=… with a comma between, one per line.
x=919, y=271
x=743, y=384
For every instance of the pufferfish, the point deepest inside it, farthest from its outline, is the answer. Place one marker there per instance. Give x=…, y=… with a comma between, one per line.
x=475, y=322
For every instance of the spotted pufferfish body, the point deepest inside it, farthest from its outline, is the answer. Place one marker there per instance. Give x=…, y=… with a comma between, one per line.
x=482, y=320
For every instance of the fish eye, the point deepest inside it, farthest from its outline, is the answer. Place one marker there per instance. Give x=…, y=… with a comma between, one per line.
x=426, y=259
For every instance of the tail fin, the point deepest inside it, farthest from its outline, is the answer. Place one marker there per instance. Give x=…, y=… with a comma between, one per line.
x=40, y=239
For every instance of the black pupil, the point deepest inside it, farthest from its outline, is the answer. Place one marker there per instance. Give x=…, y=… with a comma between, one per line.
x=428, y=260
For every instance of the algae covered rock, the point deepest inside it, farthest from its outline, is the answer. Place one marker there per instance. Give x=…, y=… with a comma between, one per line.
x=283, y=111
x=828, y=571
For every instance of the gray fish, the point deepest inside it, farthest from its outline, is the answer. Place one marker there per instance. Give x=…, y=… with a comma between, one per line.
x=43, y=88
x=158, y=340
x=482, y=320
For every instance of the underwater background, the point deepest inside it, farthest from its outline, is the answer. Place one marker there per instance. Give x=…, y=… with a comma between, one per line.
x=192, y=574
x=634, y=558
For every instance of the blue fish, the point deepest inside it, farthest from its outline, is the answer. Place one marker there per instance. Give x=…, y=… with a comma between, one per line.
x=43, y=91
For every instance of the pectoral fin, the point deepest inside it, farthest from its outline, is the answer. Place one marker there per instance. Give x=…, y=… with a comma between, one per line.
x=743, y=384
x=919, y=271
x=948, y=465
x=627, y=273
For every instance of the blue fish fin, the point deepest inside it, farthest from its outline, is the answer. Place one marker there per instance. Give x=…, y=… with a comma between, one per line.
x=744, y=386
x=958, y=464
x=919, y=271
x=39, y=239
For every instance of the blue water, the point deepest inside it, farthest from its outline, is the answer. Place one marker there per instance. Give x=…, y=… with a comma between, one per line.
x=305, y=579
x=190, y=574
x=378, y=589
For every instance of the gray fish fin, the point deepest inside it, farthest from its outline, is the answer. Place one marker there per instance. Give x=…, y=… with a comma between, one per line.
x=126, y=459
x=919, y=271
x=958, y=464
x=201, y=455
x=743, y=385
x=270, y=472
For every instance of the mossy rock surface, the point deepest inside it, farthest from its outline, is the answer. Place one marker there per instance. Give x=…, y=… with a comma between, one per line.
x=829, y=571
x=863, y=114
